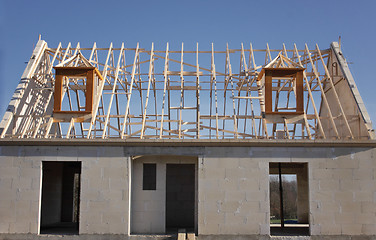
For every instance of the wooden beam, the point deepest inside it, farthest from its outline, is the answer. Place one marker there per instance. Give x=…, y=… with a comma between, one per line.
x=113, y=91
x=322, y=93
x=130, y=91
x=335, y=93
x=100, y=90
x=319, y=125
x=164, y=91
x=150, y=78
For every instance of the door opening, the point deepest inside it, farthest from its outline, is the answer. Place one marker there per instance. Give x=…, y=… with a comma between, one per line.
x=288, y=192
x=60, y=198
x=180, y=196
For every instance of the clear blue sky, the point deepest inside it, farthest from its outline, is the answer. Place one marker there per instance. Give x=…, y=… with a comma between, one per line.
x=192, y=21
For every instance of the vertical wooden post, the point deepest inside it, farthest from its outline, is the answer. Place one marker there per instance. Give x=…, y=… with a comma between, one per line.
x=281, y=196
x=268, y=91
x=89, y=90
x=58, y=91
x=299, y=92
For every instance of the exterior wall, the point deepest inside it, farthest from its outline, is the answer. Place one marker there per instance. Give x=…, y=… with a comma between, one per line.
x=149, y=207
x=233, y=187
x=104, y=188
x=342, y=185
x=233, y=193
x=343, y=192
x=20, y=178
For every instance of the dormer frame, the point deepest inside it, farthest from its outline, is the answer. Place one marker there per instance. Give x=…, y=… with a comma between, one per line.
x=90, y=73
x=294, y=73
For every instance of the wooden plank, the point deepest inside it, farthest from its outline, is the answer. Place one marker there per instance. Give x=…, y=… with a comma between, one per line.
x=48, y=128
x=249, y=86
x=335, y=93
x=130, y=92
x=191, y=236
x=151, y=67
x=71, y=125
x=227, y=131
x=181, y=88
x=213, y=80
x=184, y=73
x=164, y=91
x=181, y=234
x=236, y=117
x=322, y=92
x=36, y=129
x=197, y=94
x=311, y=96
x=113, y=91
x=89, y=91
x=100, y=90
x=268, y=92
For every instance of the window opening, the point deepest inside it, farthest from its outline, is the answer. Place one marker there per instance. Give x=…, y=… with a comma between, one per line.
x=149, y=181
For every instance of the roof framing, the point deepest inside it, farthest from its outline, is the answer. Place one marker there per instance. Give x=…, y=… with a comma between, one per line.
x=190, y=94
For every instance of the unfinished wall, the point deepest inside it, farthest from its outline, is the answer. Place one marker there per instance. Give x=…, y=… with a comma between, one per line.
x=343, y=192
x=233, y=185
x=233, y=193
x=149, y=206
x=342, y=184
x=104, y=188
x=20, y=190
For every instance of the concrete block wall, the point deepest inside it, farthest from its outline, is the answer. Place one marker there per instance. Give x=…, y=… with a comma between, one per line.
x=19, y=190
x=104, y=205
x=233, y=187
x=149, y=206
x=342, y=189
x=233, y=194
x=104, y=191
x=343, y=192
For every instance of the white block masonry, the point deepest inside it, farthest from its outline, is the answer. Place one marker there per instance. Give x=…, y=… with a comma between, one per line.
x=233, y=188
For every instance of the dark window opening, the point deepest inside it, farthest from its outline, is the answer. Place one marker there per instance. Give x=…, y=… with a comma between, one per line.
x=60, y=198
x=149, y=181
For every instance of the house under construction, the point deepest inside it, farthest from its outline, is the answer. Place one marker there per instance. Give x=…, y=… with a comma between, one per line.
x=137, y=143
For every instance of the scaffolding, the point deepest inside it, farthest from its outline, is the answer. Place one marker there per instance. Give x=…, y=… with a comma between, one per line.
x=142, y=93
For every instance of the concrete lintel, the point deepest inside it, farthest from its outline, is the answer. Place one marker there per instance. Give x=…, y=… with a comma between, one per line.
x=189, y=143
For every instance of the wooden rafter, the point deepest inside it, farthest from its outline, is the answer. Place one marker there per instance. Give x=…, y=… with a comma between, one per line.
x=183, y=94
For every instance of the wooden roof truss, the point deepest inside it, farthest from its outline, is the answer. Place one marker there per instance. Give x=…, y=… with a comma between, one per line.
x=189, y=94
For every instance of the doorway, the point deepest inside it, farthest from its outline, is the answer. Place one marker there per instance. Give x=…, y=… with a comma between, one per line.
x=60, y=198
x=180, y=196
x=289, y=200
